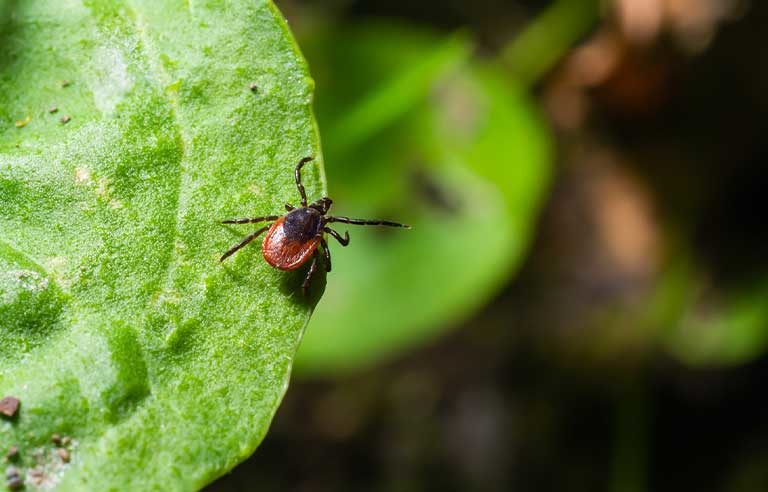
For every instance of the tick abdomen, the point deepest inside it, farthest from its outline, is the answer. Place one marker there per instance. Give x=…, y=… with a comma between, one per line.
x=292, y=239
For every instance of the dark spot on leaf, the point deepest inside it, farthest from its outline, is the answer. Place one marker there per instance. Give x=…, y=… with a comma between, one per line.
x=15, y=483
x=65, y=119
x=56, y=439
x=12, y=454
x=36, y=476
x=63, y=454
x=434, y=194
x=53, y=109
x=9, y=406
x=65, y=83
x=253, y=87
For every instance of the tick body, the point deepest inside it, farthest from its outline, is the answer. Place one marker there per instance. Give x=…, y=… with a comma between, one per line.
x=295, y=237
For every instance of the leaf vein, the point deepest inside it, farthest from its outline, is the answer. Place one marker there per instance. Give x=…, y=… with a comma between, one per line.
x=19, y=256
x=153, y=60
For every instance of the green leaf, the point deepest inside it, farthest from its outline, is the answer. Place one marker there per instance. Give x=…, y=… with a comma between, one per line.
x=119, y=328
x=713, y=326
x=466, y=164
x=734, y=334
x=702, y=323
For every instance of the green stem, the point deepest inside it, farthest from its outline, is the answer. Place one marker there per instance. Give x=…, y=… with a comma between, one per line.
x=397, y=96
x=543, y=43
x=631, y=428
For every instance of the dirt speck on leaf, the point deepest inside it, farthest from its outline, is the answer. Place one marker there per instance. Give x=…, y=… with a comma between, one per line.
x=63, y=454
x=15, y=483
x=12, y=454
x=36, y=476
x=23, y=123
x=9, y=406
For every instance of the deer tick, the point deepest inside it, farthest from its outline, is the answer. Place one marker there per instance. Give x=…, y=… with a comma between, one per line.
x=293, y=238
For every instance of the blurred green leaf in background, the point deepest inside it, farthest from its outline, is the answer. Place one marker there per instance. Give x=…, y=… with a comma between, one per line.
x=416, y=130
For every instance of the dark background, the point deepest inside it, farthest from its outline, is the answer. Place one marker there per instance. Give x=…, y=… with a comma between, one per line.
x=550, y=386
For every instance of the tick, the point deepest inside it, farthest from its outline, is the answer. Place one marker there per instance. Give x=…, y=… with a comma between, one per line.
x=293, y=238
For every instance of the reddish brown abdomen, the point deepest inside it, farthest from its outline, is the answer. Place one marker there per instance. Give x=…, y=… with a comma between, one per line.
x=285, y=254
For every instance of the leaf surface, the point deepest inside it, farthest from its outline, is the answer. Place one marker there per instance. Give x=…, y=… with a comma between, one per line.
x=118, y=326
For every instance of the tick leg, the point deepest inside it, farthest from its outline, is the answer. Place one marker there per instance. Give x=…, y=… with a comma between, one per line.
x=347, y=220
x=342, y=240
x=327, y=254
x=251, y=221
x=242, y=243
x=300, y=186
x=289, y=207
x=308, y=279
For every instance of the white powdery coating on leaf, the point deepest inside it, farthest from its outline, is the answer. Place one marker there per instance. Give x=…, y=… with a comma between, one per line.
x=19, y=281
x=82, y=175
x=113, y=80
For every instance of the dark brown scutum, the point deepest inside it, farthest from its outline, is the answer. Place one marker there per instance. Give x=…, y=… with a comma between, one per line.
x=302, y=224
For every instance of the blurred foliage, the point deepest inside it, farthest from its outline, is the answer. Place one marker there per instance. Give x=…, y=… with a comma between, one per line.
x=546, y=40
x=629, y=351
x=711, y=326
x=415, y=130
